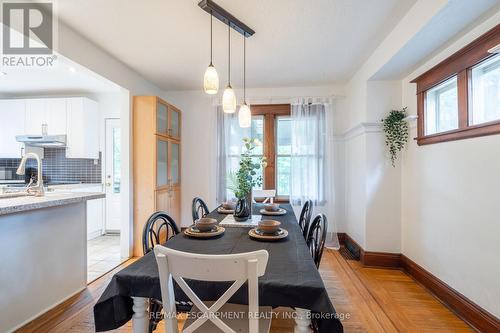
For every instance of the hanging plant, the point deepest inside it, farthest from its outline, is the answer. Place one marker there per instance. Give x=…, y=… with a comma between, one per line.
x=396, y=132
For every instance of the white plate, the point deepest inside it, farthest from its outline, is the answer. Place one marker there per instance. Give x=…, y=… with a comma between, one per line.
x=221, y=210
x=281, y=211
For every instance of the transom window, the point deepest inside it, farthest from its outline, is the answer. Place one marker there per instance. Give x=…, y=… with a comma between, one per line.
x=441, y=107
x=460, y=97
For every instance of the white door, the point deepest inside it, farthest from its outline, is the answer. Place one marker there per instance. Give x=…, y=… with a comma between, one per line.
x=112, y=180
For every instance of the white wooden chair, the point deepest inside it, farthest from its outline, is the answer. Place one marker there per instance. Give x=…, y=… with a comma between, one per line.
x=242, y=267
x=268, y=195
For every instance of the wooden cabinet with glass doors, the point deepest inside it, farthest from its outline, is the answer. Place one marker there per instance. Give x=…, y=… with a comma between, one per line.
x=157, y=166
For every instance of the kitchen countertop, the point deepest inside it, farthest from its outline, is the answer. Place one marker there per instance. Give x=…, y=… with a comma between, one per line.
x=50, y=199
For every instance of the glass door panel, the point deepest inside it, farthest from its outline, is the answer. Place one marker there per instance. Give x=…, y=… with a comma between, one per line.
x=174, y=129
x=161, y=119
x=174, y=163
x=161, y=162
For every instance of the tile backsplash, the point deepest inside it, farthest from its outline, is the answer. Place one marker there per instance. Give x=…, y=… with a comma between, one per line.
x=57, y=168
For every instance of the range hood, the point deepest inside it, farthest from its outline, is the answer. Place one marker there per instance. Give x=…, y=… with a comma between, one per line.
x=43, y=141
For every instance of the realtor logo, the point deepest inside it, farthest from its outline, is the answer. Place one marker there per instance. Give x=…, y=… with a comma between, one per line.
x=27, y=34
x=34, y=21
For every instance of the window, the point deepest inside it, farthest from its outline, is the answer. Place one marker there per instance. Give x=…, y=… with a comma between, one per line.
x=441, y=108
x=460, y=97
x=235, y=146
x=283, y=155
x=485, y=91
x=271, y=125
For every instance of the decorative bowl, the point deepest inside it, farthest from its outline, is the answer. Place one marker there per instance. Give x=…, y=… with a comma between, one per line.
x=269, y=226
x=229, y=205
x=205, y=224
x=272, y=207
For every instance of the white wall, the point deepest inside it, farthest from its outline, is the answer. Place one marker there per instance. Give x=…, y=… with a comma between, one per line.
x=450, y=211
x=199, y=136
x=372, y=185
x=80, y=50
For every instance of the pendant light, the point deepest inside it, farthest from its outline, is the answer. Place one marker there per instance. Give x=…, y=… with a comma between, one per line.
x=211, y=78
x=245, y=115
x=229, y=98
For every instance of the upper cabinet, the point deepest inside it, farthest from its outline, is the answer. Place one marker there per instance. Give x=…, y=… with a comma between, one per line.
x=83, y=122
x=11, y=124
x=168, y=120
x=47, y=114
x=77, y=118
x=174, y=123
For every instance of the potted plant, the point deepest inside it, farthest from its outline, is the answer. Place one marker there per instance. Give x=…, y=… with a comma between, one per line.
x=245, y=178
x=396, y=132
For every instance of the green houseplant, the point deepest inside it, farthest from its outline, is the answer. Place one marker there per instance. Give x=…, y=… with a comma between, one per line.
x=396, y=132
x=245, y=178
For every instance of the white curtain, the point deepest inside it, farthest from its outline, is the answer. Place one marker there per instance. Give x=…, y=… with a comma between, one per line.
x=229, y=148
x=311, y=174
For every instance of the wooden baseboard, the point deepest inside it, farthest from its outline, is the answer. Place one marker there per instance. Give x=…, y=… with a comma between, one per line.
x=369, y=258
x=469, y=311
x=381, y=259
x=477, y=317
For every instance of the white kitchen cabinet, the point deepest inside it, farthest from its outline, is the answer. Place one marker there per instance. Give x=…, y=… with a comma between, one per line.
x=56, y=116
x=12, y=123
x=46, y=111
x=95, y=208
x=95, y=211
x=36, y=115
x=83, y=128
x=50, y=112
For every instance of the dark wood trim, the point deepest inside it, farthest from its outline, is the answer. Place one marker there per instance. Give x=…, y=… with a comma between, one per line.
x=275, y=109
x=381, y=259
x=270, y=151
x=421, y=114
x=490, y=128
x=270, y=112
x=458, y=64
x=369, y=258
x=463, y=98
x=473, y=314
x=466, y=57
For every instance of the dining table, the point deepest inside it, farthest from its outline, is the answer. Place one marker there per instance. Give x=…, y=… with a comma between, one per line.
x=291, y=279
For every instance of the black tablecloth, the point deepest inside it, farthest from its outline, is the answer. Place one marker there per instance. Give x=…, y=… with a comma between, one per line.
x=291, y=278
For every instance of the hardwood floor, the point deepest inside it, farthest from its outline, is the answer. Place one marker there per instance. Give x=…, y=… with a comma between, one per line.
x=370, y=299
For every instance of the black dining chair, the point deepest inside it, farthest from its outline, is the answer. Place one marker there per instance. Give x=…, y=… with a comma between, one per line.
x=316, y=237
x=199, y=209
x=159, y=228
x=305, y=217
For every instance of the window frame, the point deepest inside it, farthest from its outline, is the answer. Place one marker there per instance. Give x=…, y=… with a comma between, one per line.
x=270, y=113
x=280, y=155
x=459, y=64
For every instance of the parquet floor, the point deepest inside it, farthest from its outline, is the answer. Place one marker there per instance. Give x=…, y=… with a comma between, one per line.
x=371, y=300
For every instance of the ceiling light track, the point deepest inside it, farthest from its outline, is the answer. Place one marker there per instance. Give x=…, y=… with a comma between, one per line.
x=225, y=17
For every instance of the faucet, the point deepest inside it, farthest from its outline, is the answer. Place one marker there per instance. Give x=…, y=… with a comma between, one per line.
x=37, y=190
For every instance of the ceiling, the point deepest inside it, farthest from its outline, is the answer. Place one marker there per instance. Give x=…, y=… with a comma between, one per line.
x=296, y=43
x=64, y=78
x=456, y=16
